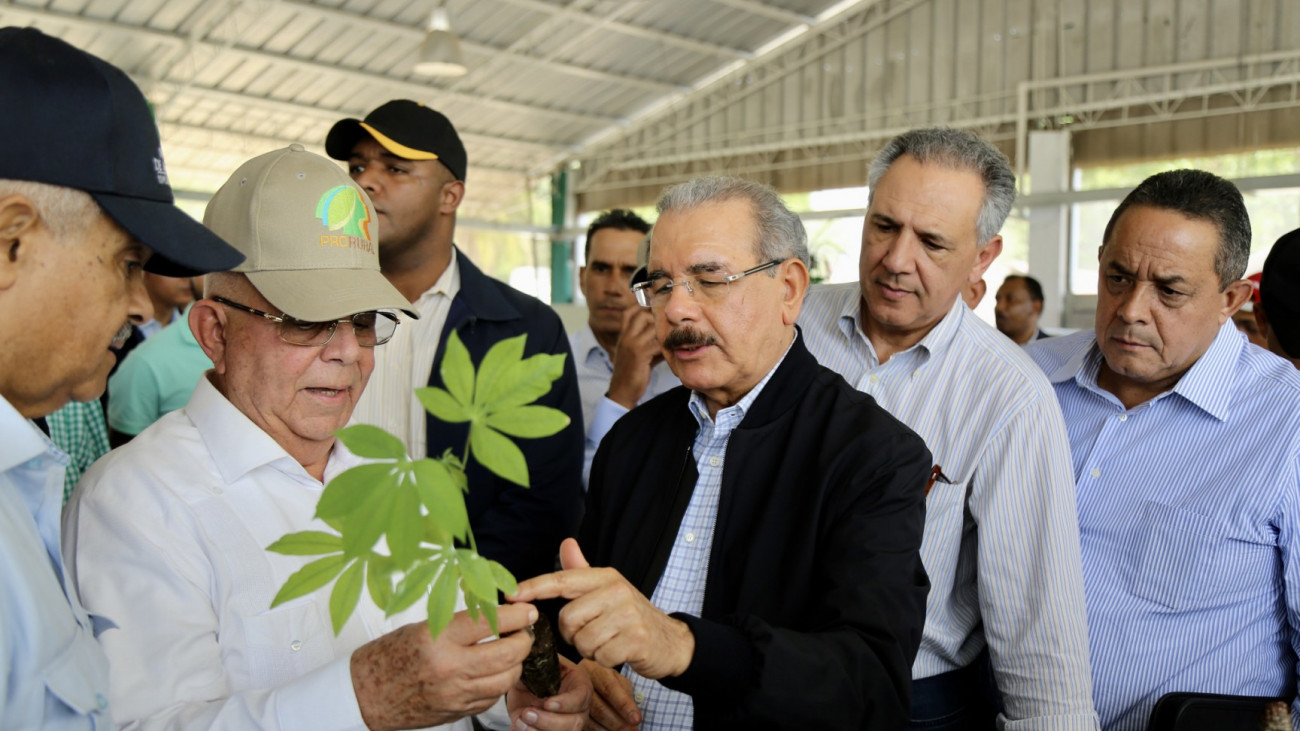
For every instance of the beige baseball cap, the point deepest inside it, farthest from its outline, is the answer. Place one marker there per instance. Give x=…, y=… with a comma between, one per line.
x=309, y=236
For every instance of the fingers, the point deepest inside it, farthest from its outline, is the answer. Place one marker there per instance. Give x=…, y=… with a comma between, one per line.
x=510, y=618
x=569, y=584
x=564, y=711
x=612, y=703
x=571, y=555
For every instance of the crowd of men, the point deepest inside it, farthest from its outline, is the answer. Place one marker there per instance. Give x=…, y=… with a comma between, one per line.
x=775, y=505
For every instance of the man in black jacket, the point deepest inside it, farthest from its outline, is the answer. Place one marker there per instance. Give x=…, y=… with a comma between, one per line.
x=410, y=160
x=761, y=526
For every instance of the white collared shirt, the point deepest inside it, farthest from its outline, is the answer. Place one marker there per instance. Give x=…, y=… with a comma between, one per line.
x=168, y=535
x=403, y=364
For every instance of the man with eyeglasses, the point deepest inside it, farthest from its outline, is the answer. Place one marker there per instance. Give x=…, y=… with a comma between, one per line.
x=1001, y=535
x=757, y=530
x=167, y=535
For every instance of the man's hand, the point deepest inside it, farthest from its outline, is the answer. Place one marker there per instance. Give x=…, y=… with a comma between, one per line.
x=612, y=705
x=564, y=711
x=609, y=621
x=407, y=680
x=637, y=353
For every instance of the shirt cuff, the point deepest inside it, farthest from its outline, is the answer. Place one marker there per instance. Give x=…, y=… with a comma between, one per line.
x=322, y=699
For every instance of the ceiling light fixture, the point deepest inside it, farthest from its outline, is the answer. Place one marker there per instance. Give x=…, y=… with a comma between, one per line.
x=440, y=54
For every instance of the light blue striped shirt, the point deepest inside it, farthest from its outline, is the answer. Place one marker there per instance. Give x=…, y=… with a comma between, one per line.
x=1189, y=512
x=681, y=587
x=1001, y=542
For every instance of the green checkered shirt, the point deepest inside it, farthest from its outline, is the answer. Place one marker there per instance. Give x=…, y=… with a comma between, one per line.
x=79, y=430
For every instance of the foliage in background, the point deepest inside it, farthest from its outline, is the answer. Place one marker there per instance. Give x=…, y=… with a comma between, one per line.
x=417, y=507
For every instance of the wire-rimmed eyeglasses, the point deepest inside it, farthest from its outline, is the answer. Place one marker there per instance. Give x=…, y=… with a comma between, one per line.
x=656, y=292
x=370, y=328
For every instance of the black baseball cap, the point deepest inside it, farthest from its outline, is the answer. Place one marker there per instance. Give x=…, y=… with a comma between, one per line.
x=78, y=122
x=405, y=128
x=1279, y=292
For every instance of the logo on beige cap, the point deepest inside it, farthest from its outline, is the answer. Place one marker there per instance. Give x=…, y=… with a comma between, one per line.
x=341, y=209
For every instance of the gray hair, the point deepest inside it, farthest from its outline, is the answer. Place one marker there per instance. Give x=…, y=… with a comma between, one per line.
x=961, y=150
x=780, y=233
x=1198, y=194
x=67, y=212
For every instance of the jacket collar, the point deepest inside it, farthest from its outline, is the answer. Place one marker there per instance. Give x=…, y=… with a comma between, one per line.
x=479, y=295
x=785, y=388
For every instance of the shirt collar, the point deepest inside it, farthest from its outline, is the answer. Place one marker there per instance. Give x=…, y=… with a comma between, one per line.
x=22, y=440
x=929, y=347
x=447, y=285
x=589, y=349
x=735, y=413
x=1204, y=384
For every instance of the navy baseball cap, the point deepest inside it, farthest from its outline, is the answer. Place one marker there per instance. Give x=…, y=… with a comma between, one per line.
x=76, y=121
x=1279, y=292
x=405, y=128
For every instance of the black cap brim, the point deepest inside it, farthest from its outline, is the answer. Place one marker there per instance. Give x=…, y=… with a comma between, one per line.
x=182, y=247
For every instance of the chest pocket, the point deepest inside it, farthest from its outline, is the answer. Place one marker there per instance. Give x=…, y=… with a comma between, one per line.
x=1183, y=560
x=70, y=684
x=285, y=643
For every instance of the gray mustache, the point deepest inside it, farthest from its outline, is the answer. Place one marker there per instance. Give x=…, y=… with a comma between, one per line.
x=687, y=338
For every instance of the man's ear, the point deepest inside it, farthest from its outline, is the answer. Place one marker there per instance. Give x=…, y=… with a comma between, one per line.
x=1234, y=297
x=208, y=323
x=452, y=194
x=984, y=256
x=19, y=224
x=793, y=274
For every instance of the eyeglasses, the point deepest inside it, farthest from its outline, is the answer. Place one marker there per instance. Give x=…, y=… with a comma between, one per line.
x=370, y=328
x=656, y=292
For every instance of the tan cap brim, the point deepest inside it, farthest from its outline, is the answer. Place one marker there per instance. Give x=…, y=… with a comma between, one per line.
x=318, y=295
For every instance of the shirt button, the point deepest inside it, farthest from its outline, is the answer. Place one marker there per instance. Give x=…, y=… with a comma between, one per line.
x=690, y=537
x=1123, y=417
x=101, y=701
x=714, y=461
x=874, y=378
x=296, y=645
x=639, y=697
x=1095, y=472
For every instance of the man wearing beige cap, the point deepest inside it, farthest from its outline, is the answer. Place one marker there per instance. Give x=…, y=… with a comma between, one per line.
x=410, y=161
x=167, y=536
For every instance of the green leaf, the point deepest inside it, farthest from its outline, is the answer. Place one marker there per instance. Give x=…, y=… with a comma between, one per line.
x=528, y=422
x=379, y=579
x=412, y=587
x=309, y=578
x=307, y=543
x=456, y=469
x=477, y=575
x=351, y=488
x=343, y=600
x=438, y=491
x=527, y=380
x=497, y=453
x=504, y=580
x=471, y=604
x=442, y=601
x=442, y=404
x=406, y=525
x=457, y=371
x=495, y=367
x=371, y=442
x=362, y=528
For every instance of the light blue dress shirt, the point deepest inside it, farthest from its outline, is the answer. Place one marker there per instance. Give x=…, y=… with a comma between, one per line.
x=1001, y=542
x=53, y=674
x=1189, y=514
x=681, y=587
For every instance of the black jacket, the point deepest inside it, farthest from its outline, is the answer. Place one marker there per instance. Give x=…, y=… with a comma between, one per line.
x=815, y=595
x=520, y=527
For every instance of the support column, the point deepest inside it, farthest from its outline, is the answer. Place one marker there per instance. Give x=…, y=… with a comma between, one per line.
x=1049, y=226
x=562, y=262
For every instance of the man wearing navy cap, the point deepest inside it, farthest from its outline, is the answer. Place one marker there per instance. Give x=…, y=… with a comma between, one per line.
x=85, y=207
x=411, y=162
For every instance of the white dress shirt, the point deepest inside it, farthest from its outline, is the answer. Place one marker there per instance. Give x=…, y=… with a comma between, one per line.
x=1001, y=542
x=599, y=413
x=53, y=674
x=168, y=536
x=403, y=364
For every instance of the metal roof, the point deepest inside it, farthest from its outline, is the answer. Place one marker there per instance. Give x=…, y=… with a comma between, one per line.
x=230, y=79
